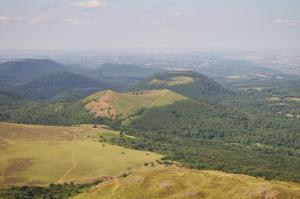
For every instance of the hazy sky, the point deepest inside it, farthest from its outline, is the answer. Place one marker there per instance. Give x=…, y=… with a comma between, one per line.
x=150, y=24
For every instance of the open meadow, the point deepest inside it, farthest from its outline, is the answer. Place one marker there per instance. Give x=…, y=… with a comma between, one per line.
x=173, y=182
x=40, y=155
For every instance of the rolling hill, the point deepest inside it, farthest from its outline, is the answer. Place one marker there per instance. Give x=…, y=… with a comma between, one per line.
x=61, y=154
x=113, y=71
x=187, y=83
x=174, y=182
x=123, y=74
x=17, y=72
x=61, y=85
x=194, y=131
x=174, y=120
x=114, y=105
x=5, y=97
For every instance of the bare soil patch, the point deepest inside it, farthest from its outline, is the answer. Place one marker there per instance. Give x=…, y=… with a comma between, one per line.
x=102, y=107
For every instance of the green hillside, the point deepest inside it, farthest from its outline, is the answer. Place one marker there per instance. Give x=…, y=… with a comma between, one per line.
x=173, y=182
x=188, y=83
x=16, y=72
x=61, y=85
x=203, y=135
x=197, y=133
x=123, y=105
x=125, y=75
x=6, y=97
x=110, y=70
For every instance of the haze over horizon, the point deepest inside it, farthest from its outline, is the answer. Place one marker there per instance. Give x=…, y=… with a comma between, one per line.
x=157, y=24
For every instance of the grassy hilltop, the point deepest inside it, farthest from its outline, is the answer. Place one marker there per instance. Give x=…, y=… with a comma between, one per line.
x=187, y=83
x=123, y=105
x=174, y=182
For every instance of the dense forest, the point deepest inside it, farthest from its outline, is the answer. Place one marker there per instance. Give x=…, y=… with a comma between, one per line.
x=218, y=138
x=53, y=191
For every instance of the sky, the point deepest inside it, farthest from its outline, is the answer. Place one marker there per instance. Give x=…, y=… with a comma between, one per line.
x=150, y=24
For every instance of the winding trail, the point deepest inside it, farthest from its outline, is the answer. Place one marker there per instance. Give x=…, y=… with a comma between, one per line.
x=157, y=99
x=74, y=165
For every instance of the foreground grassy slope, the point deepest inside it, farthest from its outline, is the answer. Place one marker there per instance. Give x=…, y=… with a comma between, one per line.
x=173, y=182
x=113, y=104
x=39, y=155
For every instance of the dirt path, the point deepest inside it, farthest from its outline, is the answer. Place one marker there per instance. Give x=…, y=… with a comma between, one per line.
x=74, y=165
x=162, y=95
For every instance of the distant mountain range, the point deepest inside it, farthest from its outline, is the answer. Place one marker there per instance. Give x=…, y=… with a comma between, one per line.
x=5, y=97
x=17, y=72
x=114, y=71
x=65, y=84
x=41, y=78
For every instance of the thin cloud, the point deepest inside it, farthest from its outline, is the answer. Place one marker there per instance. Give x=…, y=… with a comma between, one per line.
x=4, y=20
x=165, y=28
x=74, y=22
x=285, y=22
x=90, y=4
x=7, y=19
x=38, y=19
x=158, y=22
x=178, y=14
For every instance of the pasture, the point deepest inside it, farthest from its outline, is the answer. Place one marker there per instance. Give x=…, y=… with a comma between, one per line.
x=173, y=182
x=39, y=155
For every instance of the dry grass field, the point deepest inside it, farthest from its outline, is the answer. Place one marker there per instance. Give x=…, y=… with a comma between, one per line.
x=173, y=182
x=39, y=155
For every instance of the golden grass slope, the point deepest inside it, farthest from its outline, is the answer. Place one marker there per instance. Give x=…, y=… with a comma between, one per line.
x=174, y=182
x=39, y=155
x=110, y=104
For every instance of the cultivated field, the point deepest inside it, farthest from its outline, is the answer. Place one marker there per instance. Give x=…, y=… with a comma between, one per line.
x=39, y=155
x=174, y=182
